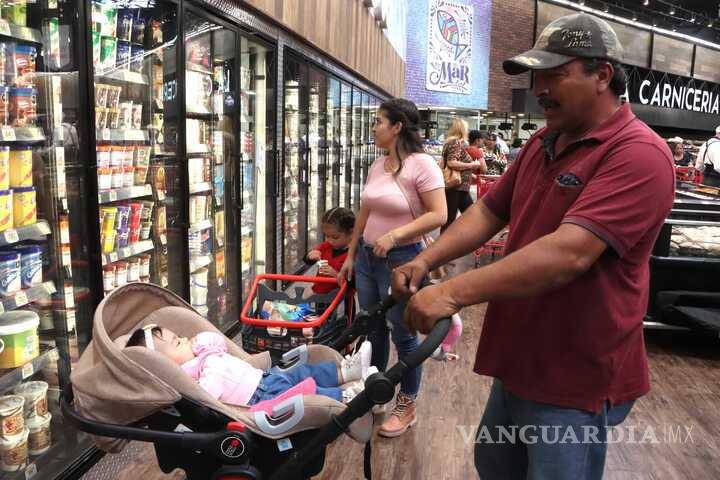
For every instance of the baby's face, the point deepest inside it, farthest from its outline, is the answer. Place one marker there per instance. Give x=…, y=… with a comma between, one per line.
x=175, y=348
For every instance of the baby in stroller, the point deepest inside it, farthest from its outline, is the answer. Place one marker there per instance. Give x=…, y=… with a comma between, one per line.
x=234, y=381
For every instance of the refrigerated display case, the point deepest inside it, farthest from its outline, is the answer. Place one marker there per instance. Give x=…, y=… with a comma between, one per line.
x=356, y=147
x=317, y=152
x=345, y=142
x=365, y=139
x=332, y=184
x=43, y=275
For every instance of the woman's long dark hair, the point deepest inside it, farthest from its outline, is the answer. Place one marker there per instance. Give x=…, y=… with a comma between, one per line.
x=409, y=140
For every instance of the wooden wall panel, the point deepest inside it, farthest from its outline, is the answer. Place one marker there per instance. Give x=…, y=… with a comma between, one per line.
x=346, y=32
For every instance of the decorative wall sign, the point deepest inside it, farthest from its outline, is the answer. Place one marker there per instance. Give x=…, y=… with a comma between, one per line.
x=449, y=54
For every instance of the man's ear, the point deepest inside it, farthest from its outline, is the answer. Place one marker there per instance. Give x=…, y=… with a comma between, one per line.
x=605, y=75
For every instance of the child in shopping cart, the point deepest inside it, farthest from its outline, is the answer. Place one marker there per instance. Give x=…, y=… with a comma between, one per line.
x=337, y=226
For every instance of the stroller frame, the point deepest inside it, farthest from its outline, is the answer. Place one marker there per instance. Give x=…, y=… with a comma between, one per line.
x=217, y=448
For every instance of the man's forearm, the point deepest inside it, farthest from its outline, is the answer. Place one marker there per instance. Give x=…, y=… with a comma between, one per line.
x=471, y=230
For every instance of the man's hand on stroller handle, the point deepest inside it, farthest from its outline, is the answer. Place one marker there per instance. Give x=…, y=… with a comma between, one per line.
x=428, y=306
x=407, y=279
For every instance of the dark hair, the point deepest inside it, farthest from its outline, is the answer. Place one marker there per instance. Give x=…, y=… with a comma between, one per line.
x=500, y=134
x=618, y=83
x=517, y=142
x=137, y=339
x=474, y=135
x=400, y=110
x=490, y=136
x=340, y=217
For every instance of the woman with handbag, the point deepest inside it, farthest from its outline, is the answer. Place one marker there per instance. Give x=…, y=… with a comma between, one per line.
x=458, y=167
x=403, y=200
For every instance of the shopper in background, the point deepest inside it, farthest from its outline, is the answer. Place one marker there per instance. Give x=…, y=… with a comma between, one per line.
x=494, y=158
x=680, y=156
x=708, y=160
x=456, y=157
x=403, y=199
x=501, y=143
x=585, y=201
x=514, y=150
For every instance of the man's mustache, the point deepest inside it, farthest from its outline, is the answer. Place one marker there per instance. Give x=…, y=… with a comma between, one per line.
x=547, y=102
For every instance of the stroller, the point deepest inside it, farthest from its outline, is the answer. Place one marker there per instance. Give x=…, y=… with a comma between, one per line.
x=334, y=316
x=120, y=393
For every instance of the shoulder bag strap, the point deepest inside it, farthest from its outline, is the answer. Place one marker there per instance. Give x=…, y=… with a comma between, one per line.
x=412, y=210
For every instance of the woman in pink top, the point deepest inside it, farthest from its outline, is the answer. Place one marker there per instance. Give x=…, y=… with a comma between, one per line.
x=403, y=199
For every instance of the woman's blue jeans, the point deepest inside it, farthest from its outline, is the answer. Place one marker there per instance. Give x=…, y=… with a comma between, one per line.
x=372, y=277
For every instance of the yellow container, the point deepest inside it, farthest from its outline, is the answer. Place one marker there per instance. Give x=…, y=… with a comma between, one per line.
x=21, y=174
x=24, y=206
x=4, y=168
x=18, y=332
x=108, y=224
x=6, y=210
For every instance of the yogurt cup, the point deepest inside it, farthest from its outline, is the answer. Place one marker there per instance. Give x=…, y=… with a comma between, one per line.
x=12, y=422
x=31, y=263
x=6, y=209
x=10, y=272
x=14, y=451
x=35, y=395
x=39, y=438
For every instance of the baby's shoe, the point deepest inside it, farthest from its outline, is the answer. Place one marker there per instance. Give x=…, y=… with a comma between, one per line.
x=354, y=367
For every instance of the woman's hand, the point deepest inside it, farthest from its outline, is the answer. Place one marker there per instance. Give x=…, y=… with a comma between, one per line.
x=314, y=255
x=383, y=245
x=346, y=271
x=326, y=270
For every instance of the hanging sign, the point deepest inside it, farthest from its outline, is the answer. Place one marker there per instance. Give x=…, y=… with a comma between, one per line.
x=671, y=91
x=449, y=56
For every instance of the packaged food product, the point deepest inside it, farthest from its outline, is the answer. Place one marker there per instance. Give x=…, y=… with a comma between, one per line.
x=123, y=236
x=109, y=242
x=113, y=96
x=156, y=33
x=24, y=206
x=141, y=156
x=137, y=116
x=101, y=117
x=128, y=176
x=120, y=274
x=160, y=220
x=123, y=217
x=125, y=116
x=137, y=58
x=117, y=176
x=23, y=106
x=145, y=227
x=12, y=421
x=21, y=174
x=9, y=273
x=138, y=29
x=35, y=395
x=108, y=277
x=199, y=287
x=147, y=209
x=110, y=214
x=14, y=452
x=4, y=167
x=159, y=178
x=133, y=270
x=44, y=310
x=134, y=235
x=51, y=32
x=31, y=262
x=129, y=155
x=135, y=214
x=18, y=331
x=145, y=279
x=145, y=265
x=109, y=19
x=103, y=155
x=112, y=118
x=6, y=210
x=140, y=175
x=4, y=105
x=24, y=57
x=101, y=94
x=96, y=48
x=39, y=438
x=15, y=12
x=117, y=156
x=123, y=55
x=124, y=24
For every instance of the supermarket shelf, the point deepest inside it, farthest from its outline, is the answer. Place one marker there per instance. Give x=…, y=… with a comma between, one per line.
x=28, y=295
x=20, y=33
x=122, y=135
x=204, y=225
x=11, y=377
x=202, y=115
x=21, y=134
x=129, y=251
x=196, y=263
x=200, y=187
x=36, y=231
x=107, y=196
x=123, y=76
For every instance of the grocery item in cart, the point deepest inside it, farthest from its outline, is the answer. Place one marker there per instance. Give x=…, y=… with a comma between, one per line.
x=39, y=438
x=6, y=210
x=23, y=107
x=24, y=66
x=12, y=421
x=35, y=395
x=21, y=167
x=18, y=332
x=14, y=452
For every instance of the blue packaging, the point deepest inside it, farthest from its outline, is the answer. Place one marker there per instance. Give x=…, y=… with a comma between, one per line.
x=31, y=262
x=123, y=55
x=124, y=24
x=9, y=272
x=136, y=58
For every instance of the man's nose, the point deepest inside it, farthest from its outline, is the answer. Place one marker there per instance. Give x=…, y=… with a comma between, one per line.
x=539, y=86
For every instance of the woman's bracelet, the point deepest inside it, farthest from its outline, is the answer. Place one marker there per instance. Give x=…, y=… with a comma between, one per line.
x=392, y=239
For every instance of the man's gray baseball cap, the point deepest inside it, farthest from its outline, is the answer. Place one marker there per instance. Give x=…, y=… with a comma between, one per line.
x=573, y=36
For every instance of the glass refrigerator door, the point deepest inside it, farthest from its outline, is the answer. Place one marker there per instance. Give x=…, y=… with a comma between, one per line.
x=255, y=67
x=211, y=134
x=317, y=152
x=135, y=124
x=356, y=147
x=332, y=132
x=345, y=142
x=295, y=198
x=365, y=140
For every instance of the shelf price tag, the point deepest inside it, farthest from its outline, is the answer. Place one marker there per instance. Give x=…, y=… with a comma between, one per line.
x=11, y=236
x=113, y=257
x=112, y=196
x=21, y=298
x=27, y=370
x=8, y=132
x=5, y=27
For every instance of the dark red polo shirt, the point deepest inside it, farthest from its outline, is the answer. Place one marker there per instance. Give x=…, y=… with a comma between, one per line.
x=581, y=344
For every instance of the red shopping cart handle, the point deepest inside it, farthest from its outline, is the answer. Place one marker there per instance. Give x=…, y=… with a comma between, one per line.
x=261, y=322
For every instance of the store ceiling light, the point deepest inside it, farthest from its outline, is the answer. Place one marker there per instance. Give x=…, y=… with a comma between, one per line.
x=646, y=2
x=672, y=9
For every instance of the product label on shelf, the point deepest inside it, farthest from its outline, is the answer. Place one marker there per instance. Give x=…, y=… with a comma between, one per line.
x=11, y=236
x=163, y=239
x=69, y=297
x=8, y=133
x=27, y=370
x=112, y=195
x=4, y=27
x=21, y=298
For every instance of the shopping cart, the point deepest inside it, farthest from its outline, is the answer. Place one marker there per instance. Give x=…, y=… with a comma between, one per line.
x=333, y=314
x=495, y=247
